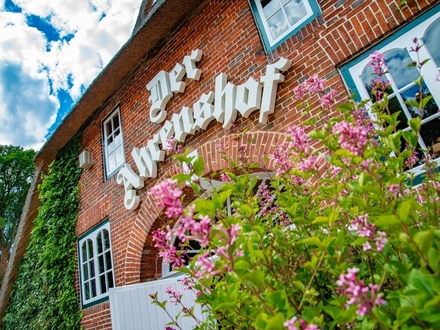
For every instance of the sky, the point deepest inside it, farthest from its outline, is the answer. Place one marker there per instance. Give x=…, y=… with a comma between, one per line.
x=50, y=52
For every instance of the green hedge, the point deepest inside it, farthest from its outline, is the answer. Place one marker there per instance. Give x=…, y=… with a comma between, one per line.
x=44, y=295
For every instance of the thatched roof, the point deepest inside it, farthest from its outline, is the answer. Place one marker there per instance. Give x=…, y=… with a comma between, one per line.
x=155, y=25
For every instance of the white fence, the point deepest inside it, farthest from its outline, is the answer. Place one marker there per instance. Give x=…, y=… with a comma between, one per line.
x=131, y=307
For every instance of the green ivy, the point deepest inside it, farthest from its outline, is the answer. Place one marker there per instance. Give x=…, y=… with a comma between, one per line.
x=44, y=295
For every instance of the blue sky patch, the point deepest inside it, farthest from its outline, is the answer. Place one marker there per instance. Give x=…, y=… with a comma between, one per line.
x=12, y=7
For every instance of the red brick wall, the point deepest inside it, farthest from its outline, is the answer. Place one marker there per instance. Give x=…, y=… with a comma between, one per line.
x=226, y=33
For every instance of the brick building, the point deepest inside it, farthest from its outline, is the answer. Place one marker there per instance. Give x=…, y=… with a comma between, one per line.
x=193, y=67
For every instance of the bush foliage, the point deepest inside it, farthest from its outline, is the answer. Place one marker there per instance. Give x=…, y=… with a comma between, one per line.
x=44, y=295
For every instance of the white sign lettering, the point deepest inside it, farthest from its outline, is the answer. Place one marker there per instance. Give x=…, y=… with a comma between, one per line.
x=222, y=105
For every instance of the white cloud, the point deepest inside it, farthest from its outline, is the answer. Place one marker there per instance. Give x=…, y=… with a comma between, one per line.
x=32, y=70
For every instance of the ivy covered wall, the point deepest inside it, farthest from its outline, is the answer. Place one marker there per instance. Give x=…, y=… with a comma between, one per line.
x=44, y=295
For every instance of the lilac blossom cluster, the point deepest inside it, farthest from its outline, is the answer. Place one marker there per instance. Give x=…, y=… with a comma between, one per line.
x=173, y=145
x=175, y=296
x=168, y=194
x=352, y=137
x=315, y=85
x=364, y=228
x=292, y=324
x=206, y=263
x=299, y=143
x=365, y=297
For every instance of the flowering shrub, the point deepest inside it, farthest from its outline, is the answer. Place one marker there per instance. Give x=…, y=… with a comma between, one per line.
x=341, y=239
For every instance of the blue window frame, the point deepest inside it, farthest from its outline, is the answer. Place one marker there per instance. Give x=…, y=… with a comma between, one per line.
x=278, y=20
x=396, y=49
x=96, y=275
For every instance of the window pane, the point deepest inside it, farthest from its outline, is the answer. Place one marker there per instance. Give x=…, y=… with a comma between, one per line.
x=87, y=290
x=110, y=279
x=111, y=162
x=269, y=7
x=90, y=246
x=108, y=128
x=295, y=11
x=92, y=268
x=108, y=261
x=84, y=251
x=102, y=282
x=85, y=273
x=278, y=25
x=93, y=288
x=413, y=95
x=367, y=76
x=101, y=264
x=116, y=121
x=394, y=106
x=430, y=132
x=106, y=239
x=431, y=40
x=99, y=242
x=397, y=61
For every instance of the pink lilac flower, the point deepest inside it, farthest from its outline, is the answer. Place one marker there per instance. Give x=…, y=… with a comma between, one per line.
x=308, y=164
x=173, y=145
x=365, y=297
x=169, y=328
x=315, y=85
x=300, y=91
x=328, y=99
x=175, y=296
x=167, y=195
x=352, y=138
x=206, y=266
x=366, y=229
x=394, y=189
x=412, y=160
x=377, y=63
x=437, y=78
x=281, y=158
x=290, y=324
x=224, y=177
x=299, y=140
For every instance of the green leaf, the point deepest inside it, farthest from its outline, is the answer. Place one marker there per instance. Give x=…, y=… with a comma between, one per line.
x=256, y=278
x=404, y=313
x=388, y=220
x=312, y=241
x=199, y=166
x=299, y=285
x=320, y=220
x=423, y=240
x=415, y=124
x=410, y=137
x=393, y=141
x=407, y=208
x=425, y=101
x=275, y=322
x=205, y=207
x=225, y=306
x=360, y=241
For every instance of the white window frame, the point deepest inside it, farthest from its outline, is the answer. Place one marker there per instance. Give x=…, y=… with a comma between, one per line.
x=90, y=264
x=429, y=71
x=312, y=11
x=113, y=151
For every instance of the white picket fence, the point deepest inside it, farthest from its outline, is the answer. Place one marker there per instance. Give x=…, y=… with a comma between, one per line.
x=131, y=307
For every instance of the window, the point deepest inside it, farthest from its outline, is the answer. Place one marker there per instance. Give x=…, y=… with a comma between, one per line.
x=278, y=20
x=396, y=50
x=95, y=265
x=113, y=143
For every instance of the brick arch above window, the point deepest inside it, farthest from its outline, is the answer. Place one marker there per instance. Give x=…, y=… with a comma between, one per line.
x=260, y=144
